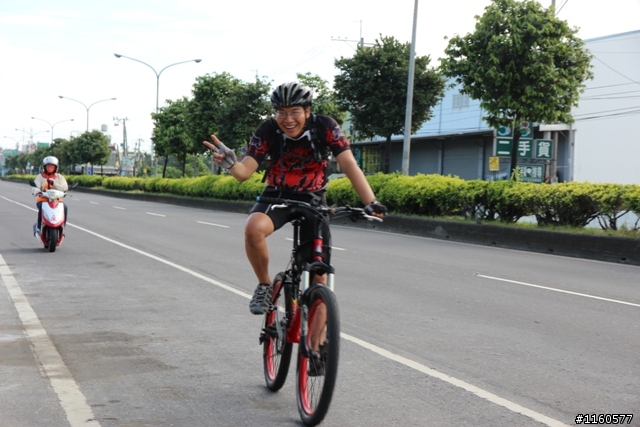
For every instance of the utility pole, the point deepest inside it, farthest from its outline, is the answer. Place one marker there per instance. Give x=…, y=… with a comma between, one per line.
x=125, y=151
x=360, y=42
x=125, y=162
x=407, y=119
x=136, y=155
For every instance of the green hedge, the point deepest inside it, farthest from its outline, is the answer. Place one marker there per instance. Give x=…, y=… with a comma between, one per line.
x=87, y=181
x=566, y=204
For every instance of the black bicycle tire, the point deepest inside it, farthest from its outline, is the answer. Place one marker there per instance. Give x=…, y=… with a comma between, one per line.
x=312, y=416
x=275, y=376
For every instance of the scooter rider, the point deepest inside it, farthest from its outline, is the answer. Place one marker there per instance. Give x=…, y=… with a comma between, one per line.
x=46, y=180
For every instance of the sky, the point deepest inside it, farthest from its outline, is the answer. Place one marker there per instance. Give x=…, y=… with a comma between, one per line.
x=53, y=48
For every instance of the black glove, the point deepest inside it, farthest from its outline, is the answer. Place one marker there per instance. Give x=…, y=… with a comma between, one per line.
x=375, y=207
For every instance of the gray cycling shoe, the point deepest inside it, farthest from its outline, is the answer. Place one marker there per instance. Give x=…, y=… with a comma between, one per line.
x=261, y=301
x=317, y=363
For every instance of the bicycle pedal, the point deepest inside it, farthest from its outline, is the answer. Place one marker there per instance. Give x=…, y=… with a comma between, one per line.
x=270, y=331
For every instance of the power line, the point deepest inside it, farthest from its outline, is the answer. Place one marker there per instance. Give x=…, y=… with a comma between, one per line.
x=608, y=113
x=315, y=51
x=605, y=116
x=622, y=52
x=616, y=71
x=603, y=87
x=563, y=5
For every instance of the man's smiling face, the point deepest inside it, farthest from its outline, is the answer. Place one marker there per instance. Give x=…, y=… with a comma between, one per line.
x=291, y=120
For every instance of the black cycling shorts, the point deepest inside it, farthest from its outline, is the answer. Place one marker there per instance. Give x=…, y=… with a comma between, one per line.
x=280, y=217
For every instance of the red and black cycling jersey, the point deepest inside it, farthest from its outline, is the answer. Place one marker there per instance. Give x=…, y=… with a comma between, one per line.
x=294, y=166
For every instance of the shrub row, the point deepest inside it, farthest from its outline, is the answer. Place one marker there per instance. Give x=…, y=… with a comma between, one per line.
x=566, y=204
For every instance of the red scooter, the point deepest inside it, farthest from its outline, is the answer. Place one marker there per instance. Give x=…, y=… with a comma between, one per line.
x=53, y=218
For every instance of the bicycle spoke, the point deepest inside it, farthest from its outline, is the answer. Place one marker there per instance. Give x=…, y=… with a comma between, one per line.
x=318, y=359
x=276, y=349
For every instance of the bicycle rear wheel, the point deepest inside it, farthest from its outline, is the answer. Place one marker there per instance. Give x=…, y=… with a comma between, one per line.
x=276, y=349
x=317, y=372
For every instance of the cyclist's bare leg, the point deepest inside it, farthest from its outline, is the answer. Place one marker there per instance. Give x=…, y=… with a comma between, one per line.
x=258, y=227
x=317, y=329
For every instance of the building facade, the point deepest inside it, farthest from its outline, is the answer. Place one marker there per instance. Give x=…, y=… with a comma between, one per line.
x=607, y=139
x=601, y=146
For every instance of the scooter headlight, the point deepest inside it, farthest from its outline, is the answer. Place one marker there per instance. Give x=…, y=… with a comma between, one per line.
x=55, y=194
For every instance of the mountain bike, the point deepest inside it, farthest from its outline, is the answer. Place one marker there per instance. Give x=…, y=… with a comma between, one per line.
x=305, y=313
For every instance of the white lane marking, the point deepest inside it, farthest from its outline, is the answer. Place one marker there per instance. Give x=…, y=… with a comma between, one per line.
x=211, y=223
x=118, y=207
x=332, y=247
x=155, y=214
x=71, y=399
x=512, y=406
x=94, y=203
x=167, y=262
x=559, y=290
x=19, y=204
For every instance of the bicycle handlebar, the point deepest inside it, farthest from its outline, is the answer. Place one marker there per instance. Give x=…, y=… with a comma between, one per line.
x=354, y=213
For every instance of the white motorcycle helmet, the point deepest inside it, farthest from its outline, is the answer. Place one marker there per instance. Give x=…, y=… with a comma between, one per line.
x=50, y=160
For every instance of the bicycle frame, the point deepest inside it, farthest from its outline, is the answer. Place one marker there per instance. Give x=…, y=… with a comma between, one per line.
x=300, y=281
x=305, y=312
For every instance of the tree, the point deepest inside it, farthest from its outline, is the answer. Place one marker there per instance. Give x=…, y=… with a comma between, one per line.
x=226, y=106
x=372, y=87
x=14, y=163
x=172, y=133
x=245, y=106
x=324, y=99
x=210, y=92
x=62, y=149
x=90, y=147
x=522, y=63
x=39, y=154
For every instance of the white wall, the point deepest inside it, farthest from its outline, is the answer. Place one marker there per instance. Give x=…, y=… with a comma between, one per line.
x=607, y=138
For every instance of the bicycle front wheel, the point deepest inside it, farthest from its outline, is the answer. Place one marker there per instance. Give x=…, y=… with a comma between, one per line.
x=276, y=349
x=317, y=370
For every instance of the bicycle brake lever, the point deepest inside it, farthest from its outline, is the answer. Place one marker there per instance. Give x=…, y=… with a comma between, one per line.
x=372, y=218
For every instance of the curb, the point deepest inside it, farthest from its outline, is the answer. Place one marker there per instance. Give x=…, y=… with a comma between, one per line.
x=620, y=250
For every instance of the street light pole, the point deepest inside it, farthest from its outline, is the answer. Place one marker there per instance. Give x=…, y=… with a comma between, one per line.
x=17, y=141
x=156, y=72
x=117, y=55
x=406, y=148
x=85, y=106
x=31, y=134
x=52, y=125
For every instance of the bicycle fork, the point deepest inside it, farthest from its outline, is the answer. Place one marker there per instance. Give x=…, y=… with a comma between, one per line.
x=303, y=310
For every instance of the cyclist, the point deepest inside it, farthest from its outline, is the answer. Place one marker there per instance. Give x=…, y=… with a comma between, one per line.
x=294, y=140
x=48, y=179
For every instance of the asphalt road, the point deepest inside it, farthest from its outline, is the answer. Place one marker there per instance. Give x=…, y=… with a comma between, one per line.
x=141, y=318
